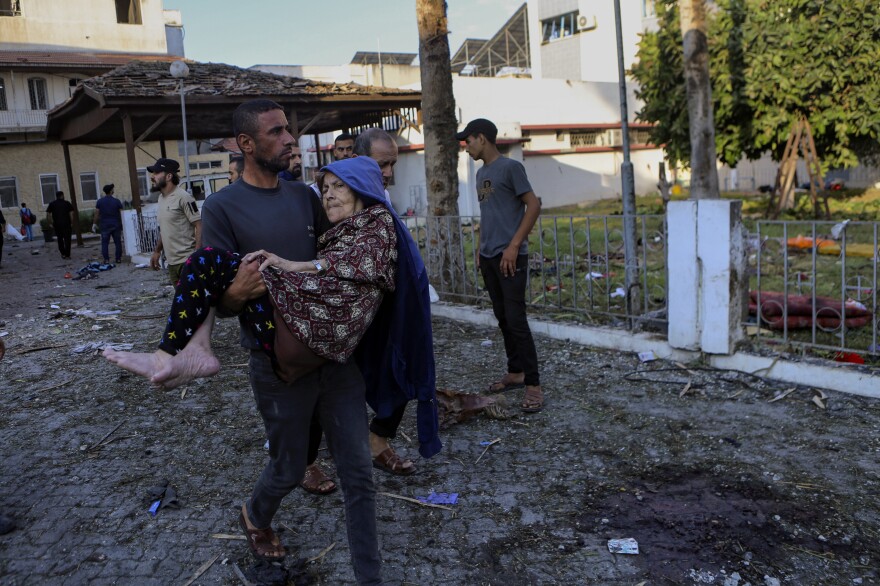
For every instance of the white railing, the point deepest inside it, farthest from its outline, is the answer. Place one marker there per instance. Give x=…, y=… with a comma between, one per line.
x=22, y=119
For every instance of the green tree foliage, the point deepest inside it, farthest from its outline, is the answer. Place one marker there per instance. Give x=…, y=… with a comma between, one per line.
x=772, y=61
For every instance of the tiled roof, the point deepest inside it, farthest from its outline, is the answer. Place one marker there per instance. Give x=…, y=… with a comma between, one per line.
x=153, y=79
x=55, y=59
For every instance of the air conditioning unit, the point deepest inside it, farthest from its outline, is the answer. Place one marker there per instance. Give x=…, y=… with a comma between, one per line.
x=586, y=23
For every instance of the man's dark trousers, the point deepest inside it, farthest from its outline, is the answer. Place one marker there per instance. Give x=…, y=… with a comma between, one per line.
x=63, y=234
x=114, y=232
x=508, y=296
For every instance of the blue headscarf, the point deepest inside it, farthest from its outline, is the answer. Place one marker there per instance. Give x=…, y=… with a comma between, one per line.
x=396, y=354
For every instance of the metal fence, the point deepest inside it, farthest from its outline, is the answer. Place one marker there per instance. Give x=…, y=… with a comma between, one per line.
x=576, y=267
x=813, y=286
x=146, y=230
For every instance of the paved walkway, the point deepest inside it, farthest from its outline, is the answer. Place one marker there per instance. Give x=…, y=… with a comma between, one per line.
x=82, y=442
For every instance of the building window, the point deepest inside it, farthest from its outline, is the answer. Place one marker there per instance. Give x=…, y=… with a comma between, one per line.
x=88, y=185
x=48, y=187
x=3, y=105
x=559, y=27
x=144, y=182
x=72, y=83
x=128, y=12
x=37, y=90
x=8, y=193
x=648, y=9
x=10, y=8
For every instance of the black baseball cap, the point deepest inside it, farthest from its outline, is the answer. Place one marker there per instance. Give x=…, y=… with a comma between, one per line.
x=164, y=165
x=479, y=126
x=108, y=188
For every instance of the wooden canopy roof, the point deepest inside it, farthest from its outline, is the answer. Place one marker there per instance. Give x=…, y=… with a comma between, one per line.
x=147, y=94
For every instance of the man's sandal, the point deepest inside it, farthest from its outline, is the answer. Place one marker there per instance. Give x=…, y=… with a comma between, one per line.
x=533, y=401
x=316, y=482
x=390, y=462
x=264, y=544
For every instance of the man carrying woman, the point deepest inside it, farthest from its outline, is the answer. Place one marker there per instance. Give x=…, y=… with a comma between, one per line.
x=259, y=214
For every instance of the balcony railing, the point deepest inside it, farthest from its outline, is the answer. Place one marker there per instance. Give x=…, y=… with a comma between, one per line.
x=11, y=120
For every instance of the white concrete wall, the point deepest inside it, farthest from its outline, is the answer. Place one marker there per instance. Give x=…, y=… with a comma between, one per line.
x=573, y=178
x=706, y=275
x=388, y=75
x=539, y=101
x=71, y=25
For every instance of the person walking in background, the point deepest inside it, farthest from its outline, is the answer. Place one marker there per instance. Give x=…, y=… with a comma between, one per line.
x=27, y=220
x=508, y=211
x=180, y=223
x=108, y=217
x=60, y=215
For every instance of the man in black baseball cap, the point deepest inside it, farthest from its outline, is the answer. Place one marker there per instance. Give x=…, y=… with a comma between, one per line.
x=508, y=212
x=164, y=166
x=479, y=126
x=180, y=222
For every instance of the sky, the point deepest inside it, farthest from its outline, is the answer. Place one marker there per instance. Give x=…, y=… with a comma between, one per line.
x=321, y=32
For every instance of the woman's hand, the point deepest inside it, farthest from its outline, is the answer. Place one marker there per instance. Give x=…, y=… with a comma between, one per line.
x=273, y=260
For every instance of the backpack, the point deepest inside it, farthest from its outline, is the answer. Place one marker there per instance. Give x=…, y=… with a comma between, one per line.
x=32, y=218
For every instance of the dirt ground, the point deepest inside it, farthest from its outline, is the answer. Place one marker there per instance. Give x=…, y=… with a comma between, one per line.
x=716, y=483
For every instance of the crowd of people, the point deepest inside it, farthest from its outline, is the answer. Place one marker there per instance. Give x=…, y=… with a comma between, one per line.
x=333, y=302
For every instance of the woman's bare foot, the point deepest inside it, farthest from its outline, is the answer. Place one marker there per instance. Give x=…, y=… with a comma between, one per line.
x=165, y=370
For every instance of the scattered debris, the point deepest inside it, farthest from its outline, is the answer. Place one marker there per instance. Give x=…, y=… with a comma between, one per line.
x=162, y=495
x=647, y=356
x=628, y=546
x=488, y=445
x=229, y=536
x=415, y=501
x=440, y=498
x=782, y=395
x=322, y=553
x=202, y=569
x=685, y=390
x=820, y=398
x=95, y=346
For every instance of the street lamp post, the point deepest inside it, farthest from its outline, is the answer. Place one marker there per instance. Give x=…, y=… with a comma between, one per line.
x=180, y=70
x=628, y=181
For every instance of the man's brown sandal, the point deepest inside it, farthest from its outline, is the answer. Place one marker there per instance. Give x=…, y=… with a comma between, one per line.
x=264, y=544
x=533, y=401
x=316, y=482
x=390, y=462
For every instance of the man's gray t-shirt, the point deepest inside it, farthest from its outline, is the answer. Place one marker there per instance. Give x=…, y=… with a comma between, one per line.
x=500, y=187
x=285, y=220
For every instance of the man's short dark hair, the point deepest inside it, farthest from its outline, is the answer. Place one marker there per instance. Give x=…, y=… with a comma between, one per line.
x=59, y=194
x=343, y=136
x=175, y=179
x=244, y=119
x=237, y=162
x=363, y=145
